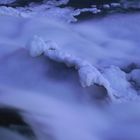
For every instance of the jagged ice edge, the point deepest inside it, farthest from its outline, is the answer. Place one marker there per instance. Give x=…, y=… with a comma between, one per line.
x=88, y=74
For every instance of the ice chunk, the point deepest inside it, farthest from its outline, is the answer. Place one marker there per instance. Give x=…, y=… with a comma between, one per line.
x=36, y=46
x=88, y=74
x=8, y=11
x=112, y=78
x=93, y=10
x=118, y=82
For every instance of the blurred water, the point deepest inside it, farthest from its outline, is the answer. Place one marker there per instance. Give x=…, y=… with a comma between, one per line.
x=48, y=95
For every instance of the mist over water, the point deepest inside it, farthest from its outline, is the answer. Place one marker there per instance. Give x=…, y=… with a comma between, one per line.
x=42, y=97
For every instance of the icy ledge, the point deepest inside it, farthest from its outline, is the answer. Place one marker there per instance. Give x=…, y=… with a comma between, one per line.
x=112, y=78
x=46, y=10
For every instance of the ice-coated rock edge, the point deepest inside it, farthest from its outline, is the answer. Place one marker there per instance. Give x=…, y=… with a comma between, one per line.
x=88, y=74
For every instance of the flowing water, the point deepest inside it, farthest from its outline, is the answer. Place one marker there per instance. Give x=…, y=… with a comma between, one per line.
x=46, y=97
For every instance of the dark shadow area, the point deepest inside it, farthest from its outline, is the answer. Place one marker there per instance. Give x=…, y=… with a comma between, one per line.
x=98, y=89
x=21, y=3
x=88, y=3
x=130, y=67
x=71, y=3
x=134, y=84
x=10, y=118
x=88, y=15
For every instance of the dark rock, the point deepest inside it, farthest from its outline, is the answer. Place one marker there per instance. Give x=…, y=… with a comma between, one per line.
x=88, y=3
x=10, y=118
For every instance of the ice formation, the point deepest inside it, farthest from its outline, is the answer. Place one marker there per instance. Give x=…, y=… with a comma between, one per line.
x=37, y=46
x=64, y=14
x=48, y=11
x=9, y=11
x=93, y=10
x=118, y=81
x=51, y=9
x=88, y=74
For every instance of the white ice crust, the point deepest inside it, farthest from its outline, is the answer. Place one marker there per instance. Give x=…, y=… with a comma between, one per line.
x=112, y=78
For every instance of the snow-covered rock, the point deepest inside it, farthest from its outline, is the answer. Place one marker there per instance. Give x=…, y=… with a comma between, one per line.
x=37, y=46
x=113, y=79
x=118, y=81
x=63, y=14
